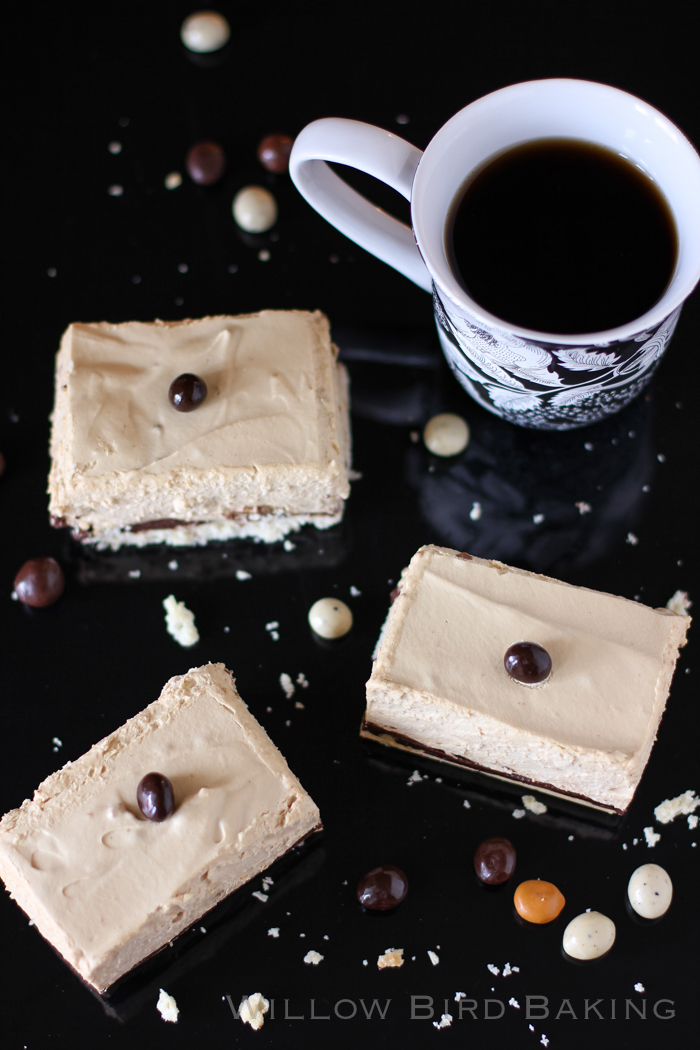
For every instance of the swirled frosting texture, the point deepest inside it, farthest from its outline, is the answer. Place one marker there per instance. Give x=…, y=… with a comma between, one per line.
x=108, y=888
x=438, y=678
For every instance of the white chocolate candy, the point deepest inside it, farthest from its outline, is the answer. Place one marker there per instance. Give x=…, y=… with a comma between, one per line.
x=446, y=434
x=330, y=618
x=205, y=31
x=650, y=891
x=589, y=935
x=254, y=209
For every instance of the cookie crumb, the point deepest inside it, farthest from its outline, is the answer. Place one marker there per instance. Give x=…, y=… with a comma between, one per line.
x=392, y=957
x=167, y=1007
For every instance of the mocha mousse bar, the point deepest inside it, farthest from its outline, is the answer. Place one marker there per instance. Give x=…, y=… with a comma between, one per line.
x=190, y=431
x=123, y=849
x=522, y=676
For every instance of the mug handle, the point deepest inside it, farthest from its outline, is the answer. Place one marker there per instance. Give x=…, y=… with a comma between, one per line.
x=380, y=153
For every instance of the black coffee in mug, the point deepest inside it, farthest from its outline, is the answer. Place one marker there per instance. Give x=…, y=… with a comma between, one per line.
x=562, y=235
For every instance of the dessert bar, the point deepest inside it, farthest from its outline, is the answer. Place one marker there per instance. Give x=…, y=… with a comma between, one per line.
x=256, y=446
x=583, y=727
x=107, y=887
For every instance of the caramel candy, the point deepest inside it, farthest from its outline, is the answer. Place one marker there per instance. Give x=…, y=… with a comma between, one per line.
x=537, y=901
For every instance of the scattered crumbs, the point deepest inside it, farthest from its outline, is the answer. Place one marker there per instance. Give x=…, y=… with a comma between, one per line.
x=313, y=958
x=475, y=512
x=365, y=962
x=289, y=546
x=241, y=574
x=535, y=806
x=302, y=680
x=252, y=1009
x=514, y=1003
x=467, y=804
x=202, y=929
x=531, y=1026
x=692, y=821
x=635, y=841
x=298, y=704
x=402, y=119
x=287, y=685
x=460, y=995
x=652, y=837
x=571, y=838
x=518, y=814
x=115, y=147
x=438, y=780
x=538, y=518
x=260, y=895
x=624, y=845
x=52, y=271
x=172, y=565
x=326, y=937
x=354, y=592
x=57, y=742
x=302, y=935
x=31, y=922
x=544, y=1040
x=679, y=603
x=391, y=957
x=639, y=987
x=493, y=969
x=588, y=445
x=583, y=507
x=227, y=630
x=288, y=723
x=264, y=255
x=679, y=806
x=135, y=574
x=271, y=628
x=267, y=882
x=415, y=778
x=435, y=959
x=167, y=1007
x=508, y=970
x=632, y=539
x=661, y=458
x=354, y=475
x=414, y=436
x=444, y=1022
x=115, y=191
x=179, y=621
x=173, y=180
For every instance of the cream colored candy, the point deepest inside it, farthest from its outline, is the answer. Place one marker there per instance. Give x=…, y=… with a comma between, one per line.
x=330, y=618
x=205, y=31
x=650, y=891
x=254, y=209
x=446, y=434
x=589, y=935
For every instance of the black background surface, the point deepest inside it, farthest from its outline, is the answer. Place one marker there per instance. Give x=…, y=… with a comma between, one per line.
x=79, y=77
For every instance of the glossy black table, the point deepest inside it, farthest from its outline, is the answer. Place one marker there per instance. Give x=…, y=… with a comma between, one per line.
x=82, y=76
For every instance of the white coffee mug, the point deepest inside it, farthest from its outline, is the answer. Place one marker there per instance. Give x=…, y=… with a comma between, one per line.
x=538, y=379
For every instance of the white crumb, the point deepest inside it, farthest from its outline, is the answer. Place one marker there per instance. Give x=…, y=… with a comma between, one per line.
x=261, y=896
x=365, y=962
x=167, y=1007
x=692, y=821
x=271, y=628
x=267, y=882
x=651, y=836
x=460, y=995
x=475, y=512
x=313, y=958
x=583, y=507
x=514, y=1003
x=326, y=937
x=570, y=838
x=467, y=804
x=355, y=475
x=391, y=957
x=624, y=845
x=179, y=621
x=444, y=1022
x=680, y=806
x=531, y=1026
x=493, y=969
x=173, y=180
x=302, y=681
x=679, y=603
x=289, y=546
x=252, y=1009
x=435, y=959
x=415, y=778
x=202, y=929
x=632, y=539
x=354, y=592
x=544, y=1040
x=518, y=814
x=241, y=574
x=298, y=703
x=635, y=841
x=302, y=935
x=134, y=574
x=508, y=970
x=173, y=565
x=538, y=518
x=31, y=922
x=57, y=742
x=639, y=987
x=287, y=685
x=531, y=803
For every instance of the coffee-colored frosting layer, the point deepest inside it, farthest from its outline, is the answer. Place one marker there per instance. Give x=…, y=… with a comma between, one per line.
x=271, y=432
x=439, y=677
x=106, y=886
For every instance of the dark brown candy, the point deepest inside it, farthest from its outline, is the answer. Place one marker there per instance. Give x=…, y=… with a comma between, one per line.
x=187, y=392
x=206, y=163
x=494, y=861
x=382, y=888
x=40, y=582
x=528, y=663
x=273, y=153
x=155, y=797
